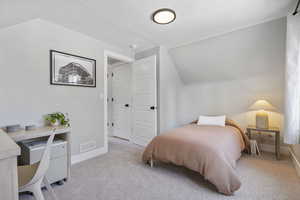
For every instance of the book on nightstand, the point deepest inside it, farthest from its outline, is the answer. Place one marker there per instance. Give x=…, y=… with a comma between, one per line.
x=254, y=147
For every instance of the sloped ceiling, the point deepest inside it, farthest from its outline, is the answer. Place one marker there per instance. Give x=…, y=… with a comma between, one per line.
x=238, y=55
x=124, y=22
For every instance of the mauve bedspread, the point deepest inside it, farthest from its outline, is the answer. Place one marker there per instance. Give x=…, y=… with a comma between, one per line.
x=210, y=150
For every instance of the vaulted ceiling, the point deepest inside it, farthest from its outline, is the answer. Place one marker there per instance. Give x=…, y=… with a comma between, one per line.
x=197, y=53
x=255, y=51
x=125, y=22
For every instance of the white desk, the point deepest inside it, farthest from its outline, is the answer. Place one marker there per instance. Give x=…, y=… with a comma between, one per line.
x=9, y=151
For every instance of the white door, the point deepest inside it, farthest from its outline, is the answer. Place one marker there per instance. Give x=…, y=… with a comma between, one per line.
x=121, y=104
x=144, y=102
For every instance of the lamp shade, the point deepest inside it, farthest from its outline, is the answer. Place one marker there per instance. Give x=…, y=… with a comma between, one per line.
x=262, y=105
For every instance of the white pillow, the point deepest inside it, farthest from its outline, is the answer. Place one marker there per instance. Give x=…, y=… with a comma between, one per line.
x=208, y=120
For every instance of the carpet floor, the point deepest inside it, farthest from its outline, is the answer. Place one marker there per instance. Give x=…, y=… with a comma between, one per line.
x=120, y=175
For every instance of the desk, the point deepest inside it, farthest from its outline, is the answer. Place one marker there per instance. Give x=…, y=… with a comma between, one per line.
x=9, y=151
x=276, y=131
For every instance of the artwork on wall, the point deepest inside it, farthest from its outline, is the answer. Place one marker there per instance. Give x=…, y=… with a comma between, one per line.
x=72, y=70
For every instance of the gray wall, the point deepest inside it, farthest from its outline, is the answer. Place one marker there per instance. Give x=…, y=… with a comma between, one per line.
x=233, y=99
x=169, y=85
x=226, y=74
x=25, y=91
x=26, y=94
x=240, y=54
x=170, y=89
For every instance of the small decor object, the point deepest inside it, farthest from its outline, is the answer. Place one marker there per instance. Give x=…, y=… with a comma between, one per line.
x=57, y=118
x=72, y=70
x=262, y=118
x=30, y=127
x=13, y=128
x=254, y=148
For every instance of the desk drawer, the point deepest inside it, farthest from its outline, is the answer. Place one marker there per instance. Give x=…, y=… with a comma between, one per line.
x=31, y=152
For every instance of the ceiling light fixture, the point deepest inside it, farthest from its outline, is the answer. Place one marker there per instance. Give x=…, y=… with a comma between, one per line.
x=164, y=16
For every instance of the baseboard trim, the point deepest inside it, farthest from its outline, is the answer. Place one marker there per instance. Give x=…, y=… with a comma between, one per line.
x=295, y=161
x=88, y=155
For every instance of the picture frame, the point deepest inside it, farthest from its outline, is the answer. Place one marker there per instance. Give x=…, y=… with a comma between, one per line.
x=72, y=70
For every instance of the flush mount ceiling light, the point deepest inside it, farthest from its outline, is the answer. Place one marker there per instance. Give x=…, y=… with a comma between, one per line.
x=164, y=16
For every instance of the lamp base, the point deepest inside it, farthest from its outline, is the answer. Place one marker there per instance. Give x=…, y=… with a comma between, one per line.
x=262, y=120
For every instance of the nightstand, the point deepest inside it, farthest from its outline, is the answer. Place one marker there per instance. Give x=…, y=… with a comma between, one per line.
x=275, y=131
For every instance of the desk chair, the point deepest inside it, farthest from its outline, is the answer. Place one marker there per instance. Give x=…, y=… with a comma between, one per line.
x=31, y=177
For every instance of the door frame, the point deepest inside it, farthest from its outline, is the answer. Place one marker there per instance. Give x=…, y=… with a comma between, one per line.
x=120, y=57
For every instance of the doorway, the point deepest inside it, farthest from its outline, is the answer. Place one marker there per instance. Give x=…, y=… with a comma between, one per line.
x=119, y=100
x=131, y=93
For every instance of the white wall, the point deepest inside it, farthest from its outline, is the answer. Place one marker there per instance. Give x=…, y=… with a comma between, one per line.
x=251, y=69
x=233, y=98
x=170, y=88
x=240, y=54
x=25, y=91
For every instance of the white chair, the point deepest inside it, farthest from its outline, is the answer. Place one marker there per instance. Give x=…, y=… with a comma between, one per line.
x=31, y=177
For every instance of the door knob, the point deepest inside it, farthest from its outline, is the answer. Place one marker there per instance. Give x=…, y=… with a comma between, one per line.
x=127, y=105
x=152, y=107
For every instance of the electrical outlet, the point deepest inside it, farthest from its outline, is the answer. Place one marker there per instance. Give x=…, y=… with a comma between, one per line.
x=87, y=146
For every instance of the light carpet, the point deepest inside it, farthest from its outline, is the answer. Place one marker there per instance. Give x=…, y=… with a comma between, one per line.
x=120, y=175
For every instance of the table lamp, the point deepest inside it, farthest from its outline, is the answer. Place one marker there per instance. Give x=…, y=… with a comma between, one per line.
x=262, y=118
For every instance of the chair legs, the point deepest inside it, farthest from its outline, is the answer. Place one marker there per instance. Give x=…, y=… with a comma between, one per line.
x=36, y=189
x=49, y=188
x=37, y=192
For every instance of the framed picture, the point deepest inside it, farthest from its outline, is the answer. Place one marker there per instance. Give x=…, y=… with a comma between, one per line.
x=72, y=70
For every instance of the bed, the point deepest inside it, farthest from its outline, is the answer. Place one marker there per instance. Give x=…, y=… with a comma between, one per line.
x=210, y=150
